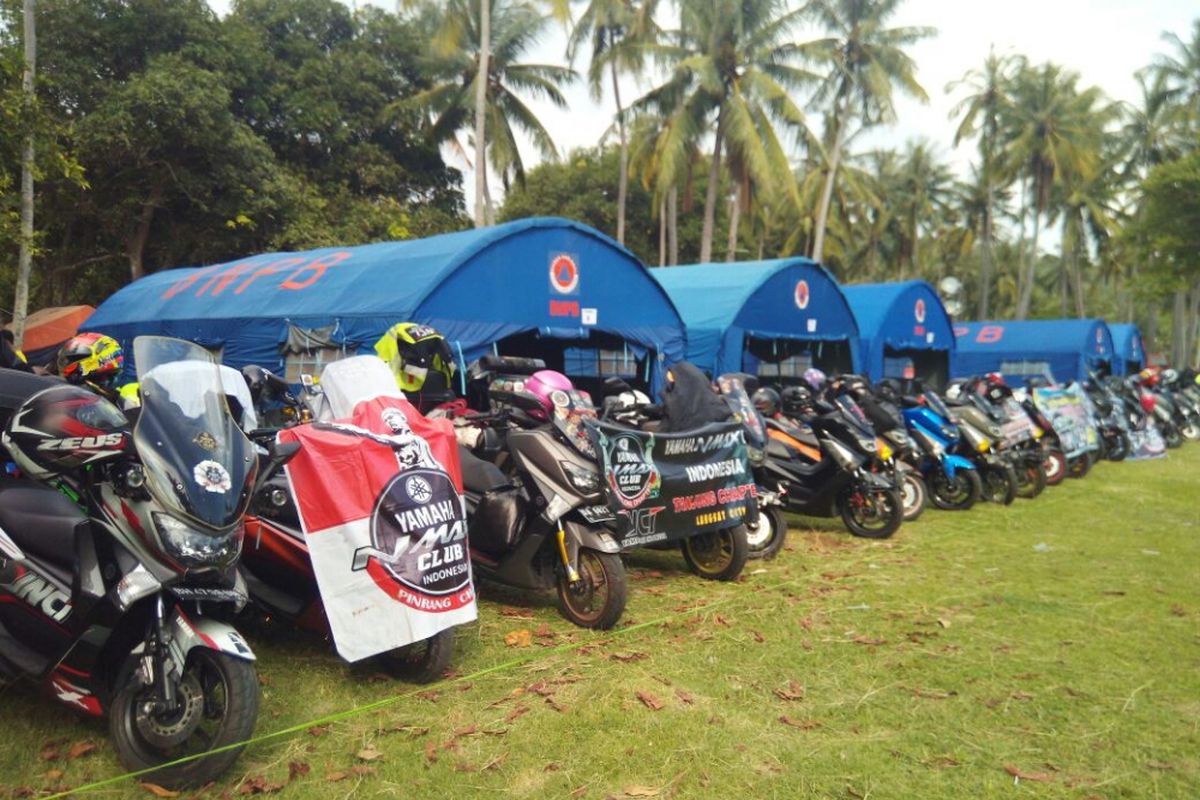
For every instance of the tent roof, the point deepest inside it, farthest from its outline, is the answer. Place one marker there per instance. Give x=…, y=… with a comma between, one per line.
x=1128, y=343
x=789, y=298
x=1067, y=344
x=901, y=316
x=49, y=327
x=475, y=286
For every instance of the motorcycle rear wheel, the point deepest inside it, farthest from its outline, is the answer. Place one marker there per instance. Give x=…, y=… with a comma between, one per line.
x=914, y=495
x=872, y=513
x=999, y=484
x=766, y=537
x=955, y=494
x=1034, y=483
x=423, y=661
x=717, y=555
x=1190, y=431
x=1119, y=448
x=1055, y=465
x=597, y=599
x=217, y=692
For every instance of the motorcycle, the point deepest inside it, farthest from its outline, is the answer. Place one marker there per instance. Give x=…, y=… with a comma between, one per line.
x=540, y=522
x=276, y=564
x=1054, y=460
x=107, y=535
x=1115, y=444
x=954, y=483
x=1008, y=467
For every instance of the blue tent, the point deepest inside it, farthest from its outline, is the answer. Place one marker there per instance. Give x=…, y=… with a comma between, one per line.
x=1066, y=349
x=539, y=287
x=902, y=325
x=771, y=318
x=1129, y=348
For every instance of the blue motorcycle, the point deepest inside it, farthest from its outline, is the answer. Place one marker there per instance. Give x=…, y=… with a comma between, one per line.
x=953, y=481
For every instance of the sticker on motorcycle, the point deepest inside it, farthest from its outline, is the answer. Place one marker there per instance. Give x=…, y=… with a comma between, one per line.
x=212, y=477
x=629, y=468
x=206, y=441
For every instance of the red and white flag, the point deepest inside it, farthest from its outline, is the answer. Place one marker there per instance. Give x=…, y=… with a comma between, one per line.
x=380, y=501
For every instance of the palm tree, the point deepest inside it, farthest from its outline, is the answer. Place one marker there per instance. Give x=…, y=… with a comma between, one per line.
x=1180, y=71
x=982, y=112
x=925, y=188
x=731, y=60
x=466, y=35
x=864, y=61
x=1051, y=135
x=616, y=30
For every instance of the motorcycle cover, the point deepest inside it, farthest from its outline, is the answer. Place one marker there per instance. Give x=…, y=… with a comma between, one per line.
x=1065, y=407
x=380, y=501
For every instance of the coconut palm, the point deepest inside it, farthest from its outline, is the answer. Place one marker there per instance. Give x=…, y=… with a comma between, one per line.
x=1050, y=136
x=1180, y=70
x=615, y=30
x=982, y=112
x=924, y=191
x=863, y=61
x=465, y=35
x=731, y=73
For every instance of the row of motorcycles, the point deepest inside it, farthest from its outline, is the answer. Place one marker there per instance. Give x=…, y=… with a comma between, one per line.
x=131, y=543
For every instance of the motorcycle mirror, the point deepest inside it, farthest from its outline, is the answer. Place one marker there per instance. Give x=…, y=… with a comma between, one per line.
x=615, y=385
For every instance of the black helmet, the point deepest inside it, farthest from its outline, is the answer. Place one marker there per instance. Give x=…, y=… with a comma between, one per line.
x=796, y=400
x=888, y=390
x=766, y=400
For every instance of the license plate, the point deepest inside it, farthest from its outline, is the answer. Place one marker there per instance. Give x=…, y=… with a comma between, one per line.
x=597, y=514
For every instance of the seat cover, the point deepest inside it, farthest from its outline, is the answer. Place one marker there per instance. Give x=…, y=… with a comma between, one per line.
x=41, y=521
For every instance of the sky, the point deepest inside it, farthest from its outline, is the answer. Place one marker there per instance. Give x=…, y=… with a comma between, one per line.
x=1106, y=41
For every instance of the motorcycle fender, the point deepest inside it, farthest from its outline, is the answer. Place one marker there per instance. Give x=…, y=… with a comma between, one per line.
x=874, y=481
x=188, y=633
x=952, y=464
x=583, y=536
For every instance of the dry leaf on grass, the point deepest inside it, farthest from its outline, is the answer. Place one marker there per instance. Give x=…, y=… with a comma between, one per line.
x=516, y=613
x=52, y=750
x=519, y=711
x=258, y=785
x=650, y=701
x=519, y=638
x=80, y=749
x=158, y=791
x=802, y=724
x=297, y=769
x=1160, y=765
x=1016, y=772
x=1021, y=696
x=758, y=637
x=794, y=691
x=641, y=791
x=578, y=792
x=431, y=754
x=866, y=640
x=945, y=623
x=334, y=777
x=625, y=658
x=685, y=697
x=368, y=754
x=53, y=774
x=318, y=730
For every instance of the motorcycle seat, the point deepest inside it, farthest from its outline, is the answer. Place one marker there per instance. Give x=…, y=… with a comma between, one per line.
x=480, y=476
x=41, y=521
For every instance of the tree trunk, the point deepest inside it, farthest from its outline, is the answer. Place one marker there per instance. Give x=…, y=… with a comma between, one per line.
x=25, y=255
x=710, y=193
x=489, y=211
x=1064, y=266
x=135, y=247
x=1026, y=299
x=1024, y=213
x=623, y=178
x=481, y=85
x=1194, y=328
x=1179, y=328
x=1150, y=333
x=835, y=158
x=985, y=255
x=673, y=225
x=735, y=217
x=916, y=248
x=662, y=232
x=1077, y=274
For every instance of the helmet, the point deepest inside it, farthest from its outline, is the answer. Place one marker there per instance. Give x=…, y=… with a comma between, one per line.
x=92, y=358
x=419, y=356
x=766, y=400
x=1169, y=376
x=1149, y=376
x=543, y=384
x=63, y=428
x=796, y=400
x=815, y=378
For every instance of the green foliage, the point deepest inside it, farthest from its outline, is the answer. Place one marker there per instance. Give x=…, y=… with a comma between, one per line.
x=1167, y=232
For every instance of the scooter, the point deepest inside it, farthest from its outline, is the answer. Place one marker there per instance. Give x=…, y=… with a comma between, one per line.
x=535, y=499
x=116, y=545
x=954, y=484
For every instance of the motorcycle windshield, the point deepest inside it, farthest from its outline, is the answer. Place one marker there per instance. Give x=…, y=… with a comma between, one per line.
x=199, y=465
x=572, y=411
x=734, y=392
x=936, y=405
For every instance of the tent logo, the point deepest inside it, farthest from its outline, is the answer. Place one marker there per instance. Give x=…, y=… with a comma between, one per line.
x=564, y=274
x=919, y=310
x=1099, y=337
x=802, y=295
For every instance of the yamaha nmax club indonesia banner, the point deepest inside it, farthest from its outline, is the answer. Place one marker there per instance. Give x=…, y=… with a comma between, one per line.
x=382, y=510
x=671, y=486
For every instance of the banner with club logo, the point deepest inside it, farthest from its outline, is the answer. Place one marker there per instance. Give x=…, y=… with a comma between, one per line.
x=1067, y=409
x=380, y=502
x=667, y=487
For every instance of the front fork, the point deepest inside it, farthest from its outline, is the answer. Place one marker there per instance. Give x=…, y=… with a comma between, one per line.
x=156, y=662
x=567, y=561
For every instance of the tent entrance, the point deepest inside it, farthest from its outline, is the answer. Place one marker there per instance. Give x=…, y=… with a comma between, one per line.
x=783, y=361
x=931, y=367
x=586, y=361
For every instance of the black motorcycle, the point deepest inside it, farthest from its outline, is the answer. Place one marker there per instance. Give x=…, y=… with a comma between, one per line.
x=114, y=547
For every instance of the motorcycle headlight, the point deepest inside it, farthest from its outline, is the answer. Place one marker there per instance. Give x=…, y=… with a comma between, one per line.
x=1038, y=432
x=194, y=547
x=885, y=452
x=983, y=446
x=584, y=480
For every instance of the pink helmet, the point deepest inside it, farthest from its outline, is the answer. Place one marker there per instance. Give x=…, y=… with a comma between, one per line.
x=542, y=385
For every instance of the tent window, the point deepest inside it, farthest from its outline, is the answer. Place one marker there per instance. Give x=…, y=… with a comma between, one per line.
x=1041, y=368
x=598, y=363
x=790, y=367
x=310, y=362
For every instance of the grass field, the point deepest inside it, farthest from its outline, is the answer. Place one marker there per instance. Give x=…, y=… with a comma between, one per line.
x=1049, y=649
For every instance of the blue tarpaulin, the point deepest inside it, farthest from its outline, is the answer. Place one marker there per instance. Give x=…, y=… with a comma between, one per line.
x=550, y=277
x=898, y=320
x=1067, y=348
x=785, y=300
x=1129, y=348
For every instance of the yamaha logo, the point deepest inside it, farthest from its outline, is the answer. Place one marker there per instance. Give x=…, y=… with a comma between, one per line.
x=418, y=490
x=564, y=274
x=919, y=310
x=802, y=295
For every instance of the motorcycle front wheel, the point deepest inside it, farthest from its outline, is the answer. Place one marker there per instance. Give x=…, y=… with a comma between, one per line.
x=1031, y=479
x=717, y=555
x=913, y=495
x=597, y=599
x=999, y=484
x=1055, y=465
x=1190, y=431
x=766, y=537
x=872, y=513
x=217, y=706
x=1118, y=448
x=423, y=661
x=955, y=494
